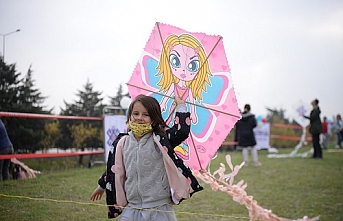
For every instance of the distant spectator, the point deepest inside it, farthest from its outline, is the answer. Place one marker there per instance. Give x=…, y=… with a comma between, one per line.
x=246, y=137
x=315, y=129
x=325, y=135
x=338, y=129
x=90, y=164
x=6, y=147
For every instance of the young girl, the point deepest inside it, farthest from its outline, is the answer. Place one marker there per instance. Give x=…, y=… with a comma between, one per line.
x=149, y=177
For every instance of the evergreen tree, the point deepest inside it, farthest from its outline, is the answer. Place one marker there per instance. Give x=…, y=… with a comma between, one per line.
x=31, y=99
x=9, y=86
x=89, y=104
x=115, y=101
x=20, y=95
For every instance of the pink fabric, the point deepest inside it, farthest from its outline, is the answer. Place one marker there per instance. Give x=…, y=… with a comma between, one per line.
x=177, y=181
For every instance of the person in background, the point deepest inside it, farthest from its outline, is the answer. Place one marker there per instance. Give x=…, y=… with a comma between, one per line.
x=315, y=129
x=246, y=137
x=6, y=147
x=338, y=129
x=325, y=135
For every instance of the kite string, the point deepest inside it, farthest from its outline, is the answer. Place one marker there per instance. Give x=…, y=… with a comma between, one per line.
x=104, y=205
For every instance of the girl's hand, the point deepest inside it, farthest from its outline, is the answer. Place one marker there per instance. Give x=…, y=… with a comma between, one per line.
x=97, y=194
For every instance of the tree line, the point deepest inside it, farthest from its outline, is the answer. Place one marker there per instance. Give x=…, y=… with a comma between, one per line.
x=19, y=94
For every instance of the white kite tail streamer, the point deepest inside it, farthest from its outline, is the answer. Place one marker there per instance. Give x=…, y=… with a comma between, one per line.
x=225, y=183
x=31, y=173
x=294, y=152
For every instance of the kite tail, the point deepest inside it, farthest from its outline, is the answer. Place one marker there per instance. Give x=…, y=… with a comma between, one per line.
x=225, y=183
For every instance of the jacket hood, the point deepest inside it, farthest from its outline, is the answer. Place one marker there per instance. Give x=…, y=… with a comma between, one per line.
x=246, y=116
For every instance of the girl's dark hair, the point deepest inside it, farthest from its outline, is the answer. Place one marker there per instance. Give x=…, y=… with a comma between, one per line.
x=154, y=110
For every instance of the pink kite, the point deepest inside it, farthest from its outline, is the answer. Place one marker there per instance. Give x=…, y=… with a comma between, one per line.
x=193, y=66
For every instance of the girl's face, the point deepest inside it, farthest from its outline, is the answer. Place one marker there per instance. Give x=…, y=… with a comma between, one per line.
x=184, y=62
x=139, y=114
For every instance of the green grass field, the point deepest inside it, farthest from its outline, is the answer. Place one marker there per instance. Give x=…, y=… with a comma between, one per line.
x=290, y=187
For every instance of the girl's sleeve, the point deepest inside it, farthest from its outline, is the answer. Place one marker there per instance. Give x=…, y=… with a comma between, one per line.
x=102, y=181
x=181, y=128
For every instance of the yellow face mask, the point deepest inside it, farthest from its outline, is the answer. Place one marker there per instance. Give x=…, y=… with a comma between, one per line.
x=139, y=130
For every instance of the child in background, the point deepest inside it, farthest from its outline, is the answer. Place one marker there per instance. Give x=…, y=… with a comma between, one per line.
x=325, y=135
x=149, y=177
x=338, y=129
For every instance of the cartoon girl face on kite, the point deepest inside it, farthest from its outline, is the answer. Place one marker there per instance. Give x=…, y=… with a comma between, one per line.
x=184, y=70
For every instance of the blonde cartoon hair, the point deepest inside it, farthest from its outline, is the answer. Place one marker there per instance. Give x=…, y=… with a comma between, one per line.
x=198, y=84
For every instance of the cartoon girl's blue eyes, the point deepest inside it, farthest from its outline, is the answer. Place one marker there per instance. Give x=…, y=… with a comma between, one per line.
x=193, y=66
x=174, y=61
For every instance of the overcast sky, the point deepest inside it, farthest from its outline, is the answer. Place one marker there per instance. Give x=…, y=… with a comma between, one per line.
x=280, y=52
